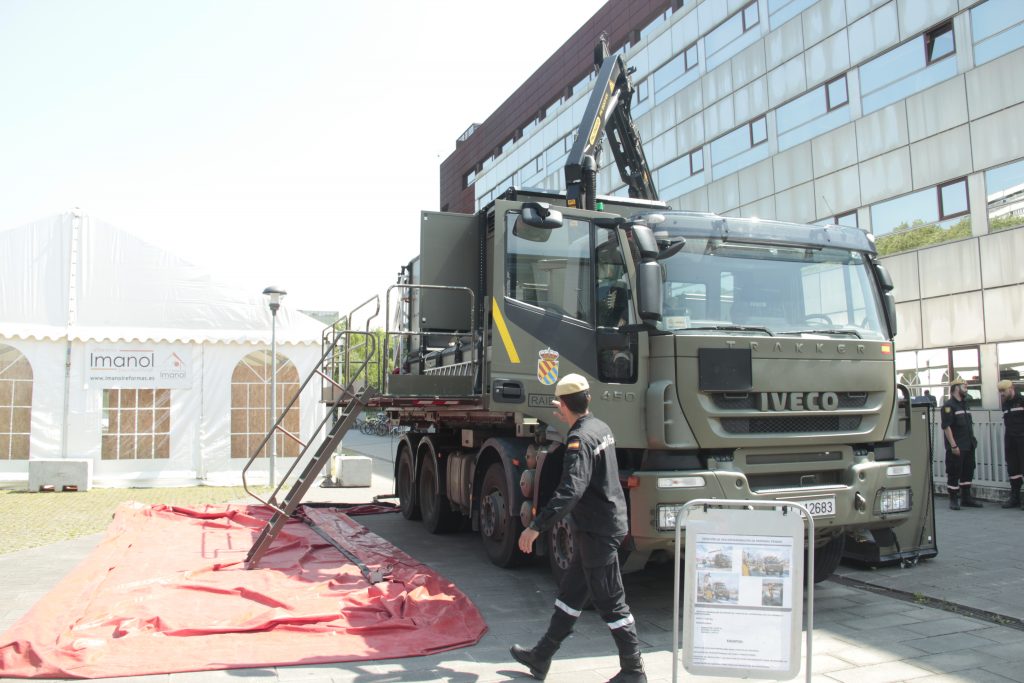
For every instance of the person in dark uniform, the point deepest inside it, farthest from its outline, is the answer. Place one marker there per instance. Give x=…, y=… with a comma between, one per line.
x=590, y=490
x=958, y=430
x=1013, y=439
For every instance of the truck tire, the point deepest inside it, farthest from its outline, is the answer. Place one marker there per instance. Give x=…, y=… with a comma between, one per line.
x=437, y=516
x=405, y=484
x=499, y=530
x=827, y=557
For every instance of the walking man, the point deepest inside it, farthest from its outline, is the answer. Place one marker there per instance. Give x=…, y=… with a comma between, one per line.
x=1013, y=439
x=590, y=490
x=958, y=430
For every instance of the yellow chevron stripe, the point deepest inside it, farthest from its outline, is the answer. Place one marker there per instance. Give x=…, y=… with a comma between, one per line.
x=499, y=322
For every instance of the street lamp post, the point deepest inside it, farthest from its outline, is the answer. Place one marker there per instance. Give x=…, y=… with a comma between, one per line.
x=274, y=296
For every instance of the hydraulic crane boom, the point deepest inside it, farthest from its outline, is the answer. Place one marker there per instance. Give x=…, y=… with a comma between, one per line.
x=607, y=111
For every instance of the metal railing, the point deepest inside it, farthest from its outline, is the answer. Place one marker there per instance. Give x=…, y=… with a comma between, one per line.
x=344, y=394
x=990, y=463
x=471, y=332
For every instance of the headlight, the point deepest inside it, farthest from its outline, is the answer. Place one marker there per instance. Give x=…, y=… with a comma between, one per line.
x=898, y=470
x=893, y=500
x=667, y=516
x=680, y=482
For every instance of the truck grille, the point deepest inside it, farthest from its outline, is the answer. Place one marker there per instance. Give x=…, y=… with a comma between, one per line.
x=725, y=401
x=789, y=424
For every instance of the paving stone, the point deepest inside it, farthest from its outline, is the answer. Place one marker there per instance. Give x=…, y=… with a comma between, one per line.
x=949, y=662
x=968, y=676
x=889, y=672
x=948, y=643
x=943, y=627
x=1011, y=652
x=859, y=656
x=1011, y=670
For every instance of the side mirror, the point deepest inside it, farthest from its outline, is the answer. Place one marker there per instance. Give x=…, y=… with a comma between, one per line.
x=645, y=241
x=540, y=215
x=890, y=311
x=884, y=279
x=649, y=291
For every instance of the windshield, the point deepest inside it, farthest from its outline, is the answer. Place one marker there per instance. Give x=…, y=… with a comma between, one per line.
x=766, y=289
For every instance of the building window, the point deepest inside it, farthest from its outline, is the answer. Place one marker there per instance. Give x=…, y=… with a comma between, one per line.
x=250, y=405
x=15, y=404
x=1004, y=186
x=929, y=216
x=997, y=27
x=690, y=57
x=849, y=219
x=758, y=131
x=925, y=372
x=836, y=93
x=1011, y=360
x=939, y=42
x=136, y=424
x=728, y=38
x=469, y=178
x=750, y=16
x=953, y=199
x=905, y=70
x=643, y=91
x=696, y=158
x=966, y=366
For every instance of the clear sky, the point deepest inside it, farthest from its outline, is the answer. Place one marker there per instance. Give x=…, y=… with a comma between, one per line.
x=290, y=143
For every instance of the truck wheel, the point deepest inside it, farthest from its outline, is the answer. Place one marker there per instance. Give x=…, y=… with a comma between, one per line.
x=499, y=529
x=561, y=549
x=438, y=517
x=827, y=557
x=405, y=485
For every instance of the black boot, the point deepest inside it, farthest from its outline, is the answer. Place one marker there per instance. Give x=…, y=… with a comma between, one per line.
x=632, y=670
x=1014, y=500
x=954, y=500
x=630, y=663
x=538, y=660
x=967, y=501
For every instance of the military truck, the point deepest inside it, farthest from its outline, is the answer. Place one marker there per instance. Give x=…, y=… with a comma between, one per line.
x=733, y=358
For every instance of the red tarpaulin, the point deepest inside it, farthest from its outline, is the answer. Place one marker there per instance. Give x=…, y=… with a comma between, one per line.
x=166, y=591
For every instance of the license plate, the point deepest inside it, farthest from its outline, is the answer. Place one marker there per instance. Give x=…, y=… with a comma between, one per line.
x=820, y=507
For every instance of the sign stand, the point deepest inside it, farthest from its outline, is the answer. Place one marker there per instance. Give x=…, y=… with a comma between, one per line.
x=744, y=588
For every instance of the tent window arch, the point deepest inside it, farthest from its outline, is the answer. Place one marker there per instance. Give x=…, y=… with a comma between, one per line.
x=136, y=424
x=15, y=404
x=250, y=404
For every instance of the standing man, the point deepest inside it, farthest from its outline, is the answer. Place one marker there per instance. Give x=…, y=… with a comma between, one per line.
x=958, y=430
x=1013, y=439
x=591, y=491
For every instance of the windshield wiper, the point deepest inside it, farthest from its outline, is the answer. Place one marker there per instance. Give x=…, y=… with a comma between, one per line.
x=831, y=332
x=738, y=328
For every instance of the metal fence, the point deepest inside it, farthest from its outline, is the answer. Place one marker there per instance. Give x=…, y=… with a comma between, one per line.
x=990, y=469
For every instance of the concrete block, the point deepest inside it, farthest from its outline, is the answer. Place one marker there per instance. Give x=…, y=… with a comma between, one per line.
x=351, y=470
x=60, y=473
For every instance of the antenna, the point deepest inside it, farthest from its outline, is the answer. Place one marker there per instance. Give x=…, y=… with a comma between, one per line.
x=830, y=209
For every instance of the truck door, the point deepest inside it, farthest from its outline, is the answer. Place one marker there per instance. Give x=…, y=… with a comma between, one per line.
x=560, y=297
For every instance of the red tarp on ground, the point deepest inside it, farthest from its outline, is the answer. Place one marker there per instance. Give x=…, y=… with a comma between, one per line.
x=166, y=591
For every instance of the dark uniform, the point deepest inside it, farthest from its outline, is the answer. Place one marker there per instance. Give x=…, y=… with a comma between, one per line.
x=1013, y=443
x=959, y=468
x=591, y=493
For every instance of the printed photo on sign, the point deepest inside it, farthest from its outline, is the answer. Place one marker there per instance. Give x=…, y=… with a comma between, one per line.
x=714, y=556
x=771, y=593
x=764, y=562
x=718, y=587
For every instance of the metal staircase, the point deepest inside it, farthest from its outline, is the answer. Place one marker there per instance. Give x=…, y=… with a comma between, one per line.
x=345, y=370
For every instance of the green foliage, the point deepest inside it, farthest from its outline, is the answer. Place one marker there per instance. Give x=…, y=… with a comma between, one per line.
x=1004, y=222
x=916, y=235
x=363, y=360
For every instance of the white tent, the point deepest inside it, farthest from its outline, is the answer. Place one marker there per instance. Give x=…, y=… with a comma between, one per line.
x=116, y=351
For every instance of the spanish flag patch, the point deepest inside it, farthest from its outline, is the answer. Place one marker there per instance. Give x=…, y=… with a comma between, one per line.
x=574, y=444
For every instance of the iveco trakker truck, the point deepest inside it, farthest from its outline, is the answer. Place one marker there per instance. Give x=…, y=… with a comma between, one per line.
x=733, y=358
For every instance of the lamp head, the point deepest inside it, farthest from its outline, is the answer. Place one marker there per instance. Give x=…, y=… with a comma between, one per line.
x=274, y=294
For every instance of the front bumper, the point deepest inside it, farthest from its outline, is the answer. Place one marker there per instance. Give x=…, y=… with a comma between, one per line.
x=858, y=504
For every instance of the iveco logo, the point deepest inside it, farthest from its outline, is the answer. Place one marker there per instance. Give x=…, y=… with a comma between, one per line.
x=811, y=400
